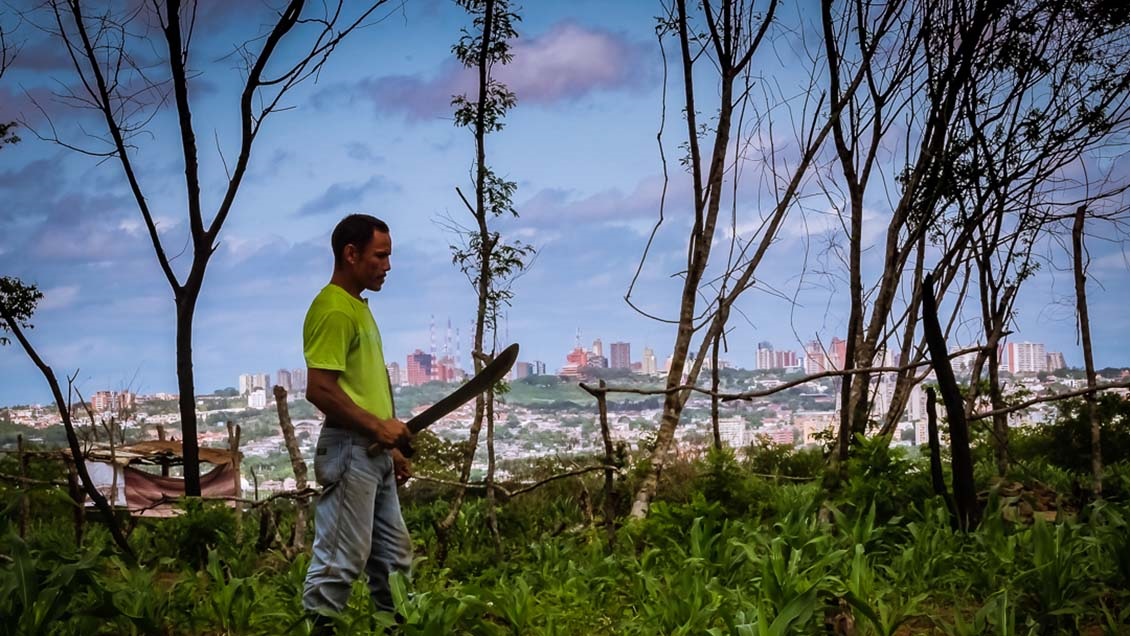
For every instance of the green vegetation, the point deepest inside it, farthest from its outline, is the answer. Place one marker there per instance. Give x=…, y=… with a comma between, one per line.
x=734, y=545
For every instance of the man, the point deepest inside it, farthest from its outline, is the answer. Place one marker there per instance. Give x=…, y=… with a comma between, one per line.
x=357, y=520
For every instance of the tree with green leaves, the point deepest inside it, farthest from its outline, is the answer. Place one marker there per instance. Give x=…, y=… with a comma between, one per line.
x=489, y=262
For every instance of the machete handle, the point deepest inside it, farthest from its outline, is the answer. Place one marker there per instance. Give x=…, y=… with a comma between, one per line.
x=405, y=448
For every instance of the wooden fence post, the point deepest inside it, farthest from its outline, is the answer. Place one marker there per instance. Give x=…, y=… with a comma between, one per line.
x=297, y=464
x=234, y=451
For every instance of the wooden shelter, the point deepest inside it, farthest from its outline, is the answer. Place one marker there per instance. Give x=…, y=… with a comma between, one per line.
x=118, y=474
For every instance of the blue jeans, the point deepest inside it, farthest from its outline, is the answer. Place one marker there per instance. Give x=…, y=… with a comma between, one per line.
x=357, y=524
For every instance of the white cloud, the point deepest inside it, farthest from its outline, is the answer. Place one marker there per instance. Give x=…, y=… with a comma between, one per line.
x=58, y=298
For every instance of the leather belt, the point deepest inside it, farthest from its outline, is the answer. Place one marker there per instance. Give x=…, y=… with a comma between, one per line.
x=357, y=438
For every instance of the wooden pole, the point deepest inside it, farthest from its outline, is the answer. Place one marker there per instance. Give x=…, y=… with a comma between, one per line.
x=234, y=452
x=297, y=464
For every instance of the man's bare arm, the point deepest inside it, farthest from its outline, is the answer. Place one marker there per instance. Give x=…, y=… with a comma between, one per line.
x=322, y=391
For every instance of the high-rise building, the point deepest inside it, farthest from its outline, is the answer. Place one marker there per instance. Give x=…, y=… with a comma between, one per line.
x=620, y=356
x=298, y=380
x=786, y=360
x=837, y=353
x=764, y=358
x=1055, y=361
x=418, y=368
x=283, y=379
x=767, y=358
x=394, y=370
x=1025, y=357
x=102, y=401
x=598, y=348
x=648, y=362
x=539, y=367
x=261, y=381
x=245, y=383
x=815, y=359
x=523, y=370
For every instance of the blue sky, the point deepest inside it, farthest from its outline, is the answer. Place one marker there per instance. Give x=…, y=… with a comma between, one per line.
x=374, y=134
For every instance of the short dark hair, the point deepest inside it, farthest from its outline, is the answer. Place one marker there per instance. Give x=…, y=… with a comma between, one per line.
x=356, y=230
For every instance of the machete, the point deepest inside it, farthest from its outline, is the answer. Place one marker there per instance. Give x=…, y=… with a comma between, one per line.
x=482, y=381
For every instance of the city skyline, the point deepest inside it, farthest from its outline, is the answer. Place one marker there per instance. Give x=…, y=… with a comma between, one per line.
x=374, y=134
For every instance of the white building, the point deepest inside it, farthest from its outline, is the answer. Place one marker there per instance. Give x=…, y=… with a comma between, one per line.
x=648, y=362
x=257, y=399
x=1025, y=357
x=732, y=431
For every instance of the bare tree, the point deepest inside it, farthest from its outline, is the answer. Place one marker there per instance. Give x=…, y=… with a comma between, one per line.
x=1041, y=104
x=17, y=303
x=125, y=93
x=733, y=34
x=961, y=87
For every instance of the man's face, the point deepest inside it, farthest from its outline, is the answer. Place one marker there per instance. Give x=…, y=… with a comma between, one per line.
x=370, y=264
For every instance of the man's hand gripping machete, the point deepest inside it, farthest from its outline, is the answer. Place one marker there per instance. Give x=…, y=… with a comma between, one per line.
x=482, y=381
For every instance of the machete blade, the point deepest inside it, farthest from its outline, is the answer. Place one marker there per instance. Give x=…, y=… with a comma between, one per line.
x=482, y=381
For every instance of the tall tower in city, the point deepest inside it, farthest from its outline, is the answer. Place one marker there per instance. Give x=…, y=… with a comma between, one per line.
x=418, y=368
x=765, y=358
x=448, y=340
x=598, y=348
x=648, y=362
x=620, y=356
x=816, y=360
x=432, y=335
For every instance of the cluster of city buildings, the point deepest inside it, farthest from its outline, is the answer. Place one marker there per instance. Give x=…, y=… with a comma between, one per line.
x=257, y=387
x=620, y=357
x=1014, y=357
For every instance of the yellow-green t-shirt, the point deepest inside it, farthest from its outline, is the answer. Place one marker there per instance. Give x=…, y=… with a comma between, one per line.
x=339, y=334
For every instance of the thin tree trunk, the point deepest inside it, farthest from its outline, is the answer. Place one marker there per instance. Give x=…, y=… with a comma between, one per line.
x=610, y=493
x=486, y=246
x=297, y=464
x=962, y=465
x=186, y=399
x=25, y=503
x=715, y=392
x=113, y=462
x=492, y=519
x=72, y=438
x=1086, y=341
x=1001, y=422
x=699, y=249
x=78, y=513
x=938, y=484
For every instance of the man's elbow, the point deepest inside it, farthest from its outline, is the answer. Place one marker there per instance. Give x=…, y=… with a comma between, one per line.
x=317, y=395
